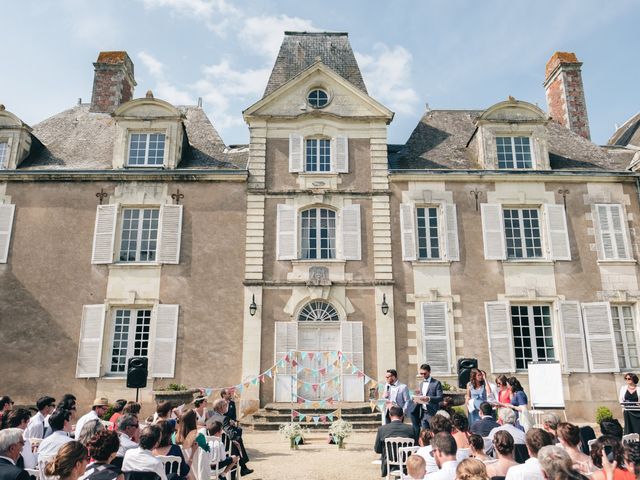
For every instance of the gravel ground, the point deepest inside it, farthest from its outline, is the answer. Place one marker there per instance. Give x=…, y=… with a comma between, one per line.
x=271, y=458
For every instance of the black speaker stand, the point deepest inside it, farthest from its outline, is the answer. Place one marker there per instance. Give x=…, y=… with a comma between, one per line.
x=137, y=392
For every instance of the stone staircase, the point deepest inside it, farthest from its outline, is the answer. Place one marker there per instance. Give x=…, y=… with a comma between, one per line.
x=275, y=414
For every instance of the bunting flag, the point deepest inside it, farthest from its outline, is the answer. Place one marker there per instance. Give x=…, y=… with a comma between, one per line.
x=269, y=373
x=330, y=417
x=310, y=354
x=302, y=416
x=315, y=420
x=303, y=355
x=323, y=418
x=295, y=413
x=255, y=381
x=208, y=391
x=360, y=374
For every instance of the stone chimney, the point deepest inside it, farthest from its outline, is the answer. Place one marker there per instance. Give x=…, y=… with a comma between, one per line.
x=565, y=93
x=113, y=82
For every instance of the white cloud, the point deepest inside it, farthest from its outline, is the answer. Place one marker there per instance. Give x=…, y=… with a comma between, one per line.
x=163, y=88
x=92, y=24
x=387, y=73
x=217, y=15
x=264, y=34
x=155, y=66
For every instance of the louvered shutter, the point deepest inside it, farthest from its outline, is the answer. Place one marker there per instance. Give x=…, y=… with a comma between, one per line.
x=559, y=246
x=493, y=231
x=451, y=231
x=350, y=229
x=601, y=344
x=620, y=232
x=6, y=224
x=286, y=240
x=352, y=345
x=170, y=233
x=90, y=344
x=407, y=231
x=165, y=340
x=286, y=342
x=611, y=232
x=340, y=154
x=296, y=153
x=499, y=335
x=575, y=352
x=104, y=234
x=435, y=336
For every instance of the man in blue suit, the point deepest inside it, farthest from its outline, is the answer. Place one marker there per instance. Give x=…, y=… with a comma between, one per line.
x=427, y=400
x=395, y=393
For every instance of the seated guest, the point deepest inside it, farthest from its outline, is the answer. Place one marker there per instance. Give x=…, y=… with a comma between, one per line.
x=141, y=459
x=189, y=437
x=615, y=445
x=202, y=415
x=232, y=413
x=220, y=409
x=6, y=404
x=476, y=445
x=395, y=428
x=19, y=418
x=117, y=412
x=507, y=418
x=444, y=451
x=503, y=449
x=438, y=423
x=550, y=423
x=460, y=430
x=471, y=469
x=60, y=423
x=11, y=443
x=535, y=439
x=38, y=425
x=219, y=455
x=611, y=427
x=132, y=408
x=486, y=423
x=102, y=449
x=424, y=442
x=569, y=437
x=128, y=434
x=163, y=412
x=68, y=402
x=416, y=468
x=69, y=463
x=166, y=447
x=89, y=429
x=98, y=408
x=557, y=465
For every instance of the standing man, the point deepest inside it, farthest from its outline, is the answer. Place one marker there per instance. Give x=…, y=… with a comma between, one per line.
x=38, y=424
x=395, y=393
x=429, y=397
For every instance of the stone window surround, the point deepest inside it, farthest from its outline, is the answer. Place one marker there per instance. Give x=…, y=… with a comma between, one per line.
x=172, y=129
x=148, y=134
x=634, y=313
x=328, y=91
x=487, y=149
x=435, y=296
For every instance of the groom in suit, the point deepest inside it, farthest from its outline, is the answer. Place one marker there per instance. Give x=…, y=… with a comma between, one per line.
x=427, y=400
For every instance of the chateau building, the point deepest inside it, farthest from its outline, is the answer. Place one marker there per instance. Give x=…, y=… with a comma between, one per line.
x=128, y=228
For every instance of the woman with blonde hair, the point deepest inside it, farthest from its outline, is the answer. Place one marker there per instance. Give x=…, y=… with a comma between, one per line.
x=69, y=463
x=188, y=436
x=471, y=469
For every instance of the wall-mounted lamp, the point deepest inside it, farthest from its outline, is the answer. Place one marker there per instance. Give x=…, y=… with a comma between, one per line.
x=253, y=308
x=385, y=306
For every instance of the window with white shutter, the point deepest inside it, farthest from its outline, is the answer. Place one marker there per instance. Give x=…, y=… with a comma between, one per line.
x=612, y=234
x=6, y=225
x=350, y=229
x=435, y=337
x=352, y=345
x=451, y=232
x=90, y=343
x=493, y=231
x=558, y=233
x=407, y=231
x=104, y=234
x=601, y=346
x=164, y=341
x=286, y=341
x=499, y=336
x=532, y=334
x=340, y=155
x=170, y=234
x=286, y=242
x=296, y=151
x=572, y=334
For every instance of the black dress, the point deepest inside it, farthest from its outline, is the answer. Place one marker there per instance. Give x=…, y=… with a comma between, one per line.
x=631, y=418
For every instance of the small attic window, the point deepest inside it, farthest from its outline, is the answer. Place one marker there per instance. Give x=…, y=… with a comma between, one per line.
x=514, y=152
x=146, y=149
x=318, y=98
x=4, y=154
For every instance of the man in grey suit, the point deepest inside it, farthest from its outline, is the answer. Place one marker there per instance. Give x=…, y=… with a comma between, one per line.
x=395, y=393
x=427, y=400
x=395, y=428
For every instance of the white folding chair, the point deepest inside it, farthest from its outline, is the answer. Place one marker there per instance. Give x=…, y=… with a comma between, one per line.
x=171, y=463
x=216, y=469
x=42, y=464
x=591, y=442
x=35, y=444
x=403, y=454
x=537, y=417
x=107, y=424
x=392, y=446
x=34, y=473
x=631, y=437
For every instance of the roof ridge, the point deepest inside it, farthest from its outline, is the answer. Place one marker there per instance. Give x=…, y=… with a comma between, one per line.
x=338, y=34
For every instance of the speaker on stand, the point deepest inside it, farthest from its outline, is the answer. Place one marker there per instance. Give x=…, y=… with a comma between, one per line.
x=137, y=371
x=465, y=365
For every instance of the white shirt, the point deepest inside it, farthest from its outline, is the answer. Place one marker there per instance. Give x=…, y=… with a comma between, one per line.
x=431, y=465
x=125, y=444
x=529, y=470
x=29, y=458
x=447, y=472
x=141, y=460
x=35, y=427
x=52, y=443
x=516, y=433
x=92, y=415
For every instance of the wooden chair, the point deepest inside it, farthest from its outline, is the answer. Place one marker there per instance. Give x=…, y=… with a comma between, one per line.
x=171, y=463
x=392, y=446
x=631, y=437
x=403, y=454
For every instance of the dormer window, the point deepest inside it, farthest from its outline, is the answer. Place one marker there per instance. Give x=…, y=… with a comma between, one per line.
x=318, y=98
x=514, y=152
x=4, y=154
x=146, y=149
x=318, y=155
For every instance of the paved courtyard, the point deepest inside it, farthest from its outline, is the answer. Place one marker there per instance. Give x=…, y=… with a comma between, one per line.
x=272, y=459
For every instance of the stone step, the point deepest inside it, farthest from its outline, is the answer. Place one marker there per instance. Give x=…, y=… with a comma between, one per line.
x=355, y=408
x=283, y=417
x=361, y=426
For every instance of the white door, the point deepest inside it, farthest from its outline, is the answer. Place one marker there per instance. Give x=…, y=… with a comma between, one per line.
x=315, y=370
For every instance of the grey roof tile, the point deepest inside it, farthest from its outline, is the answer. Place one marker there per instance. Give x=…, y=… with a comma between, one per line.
x=299, y=51
x=628, y=133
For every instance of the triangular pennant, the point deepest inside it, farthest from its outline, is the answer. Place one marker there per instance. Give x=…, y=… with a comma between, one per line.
x=314, y=387
x=295, y=413
x=303, y=355
x=322, y=371
x=360, y=374
x=255, y=381
x=315, y=420
x=311, y=354
x=302, y=416
x=269, y=373
x=330, y=416
x=323, y=418
x=315, y=405
x=294, y=363
x=286, y=358
x=261, y=378
x=354, y=369
x=240, y=388
x=208, y=391
x=323, y=403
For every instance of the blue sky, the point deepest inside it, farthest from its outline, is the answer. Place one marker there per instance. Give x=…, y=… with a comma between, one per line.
x=450, y=54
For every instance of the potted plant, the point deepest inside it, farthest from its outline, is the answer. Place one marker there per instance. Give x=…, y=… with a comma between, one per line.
x=292, y=432
x=339, y=430
x=175, y=393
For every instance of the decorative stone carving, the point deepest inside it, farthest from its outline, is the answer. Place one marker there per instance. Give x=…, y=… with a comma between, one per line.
x=318, y=276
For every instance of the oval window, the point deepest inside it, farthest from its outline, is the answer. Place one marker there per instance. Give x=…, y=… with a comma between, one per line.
x=318, y=98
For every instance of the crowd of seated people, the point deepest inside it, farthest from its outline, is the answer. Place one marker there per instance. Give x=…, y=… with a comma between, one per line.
x=57, y=442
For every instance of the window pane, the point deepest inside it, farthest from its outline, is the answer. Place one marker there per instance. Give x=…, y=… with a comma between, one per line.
x=120, y=343
x=156, y=149
x=428, y=241
x=141, y=341
x=513, y=152
x=146, y=149
x=137, y=148
x=532, y=334
x=139, y=237
x=625, y=336
x=312, y=156
x=4, y=154
x=324, y=157
x=318, y=233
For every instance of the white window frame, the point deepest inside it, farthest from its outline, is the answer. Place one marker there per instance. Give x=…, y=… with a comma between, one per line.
x=131, y=339
x=334, y=250
x=513, y=152
x=428, y=238
x=316, y=166
x=523, y=247
x=146, y=150
x=623, y=347
x=139, y=234
x=4, y=154
x=532, y=335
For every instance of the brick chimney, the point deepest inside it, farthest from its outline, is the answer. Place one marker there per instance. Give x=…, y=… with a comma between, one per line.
x=113, y=82
x=565, y=93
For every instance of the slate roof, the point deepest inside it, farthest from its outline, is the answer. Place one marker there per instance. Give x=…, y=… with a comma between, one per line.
x=627, y=134
x=77, y=139
x=444, y=139
x=299, y=51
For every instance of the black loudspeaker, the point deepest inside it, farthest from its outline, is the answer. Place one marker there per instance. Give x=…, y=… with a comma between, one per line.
x=465, y=365
x=137, y=370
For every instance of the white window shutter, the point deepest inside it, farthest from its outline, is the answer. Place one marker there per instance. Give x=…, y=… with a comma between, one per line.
x=407, y=231
x=286, y=342
x=601, y=345
x=451, y=231
x=170, y=234
x=286, y=240
x=350, y=229
x=493, y=231
x=499, y=335
x=572, y=333
x=6, y=224
x=296, y=153
x=352, y=346
x=435, y=336
x=164, y=341
x=340, y=154
x=620, y=232
x=558, y=233
x=104, y=234
x=90, y=344
x=611, y=230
